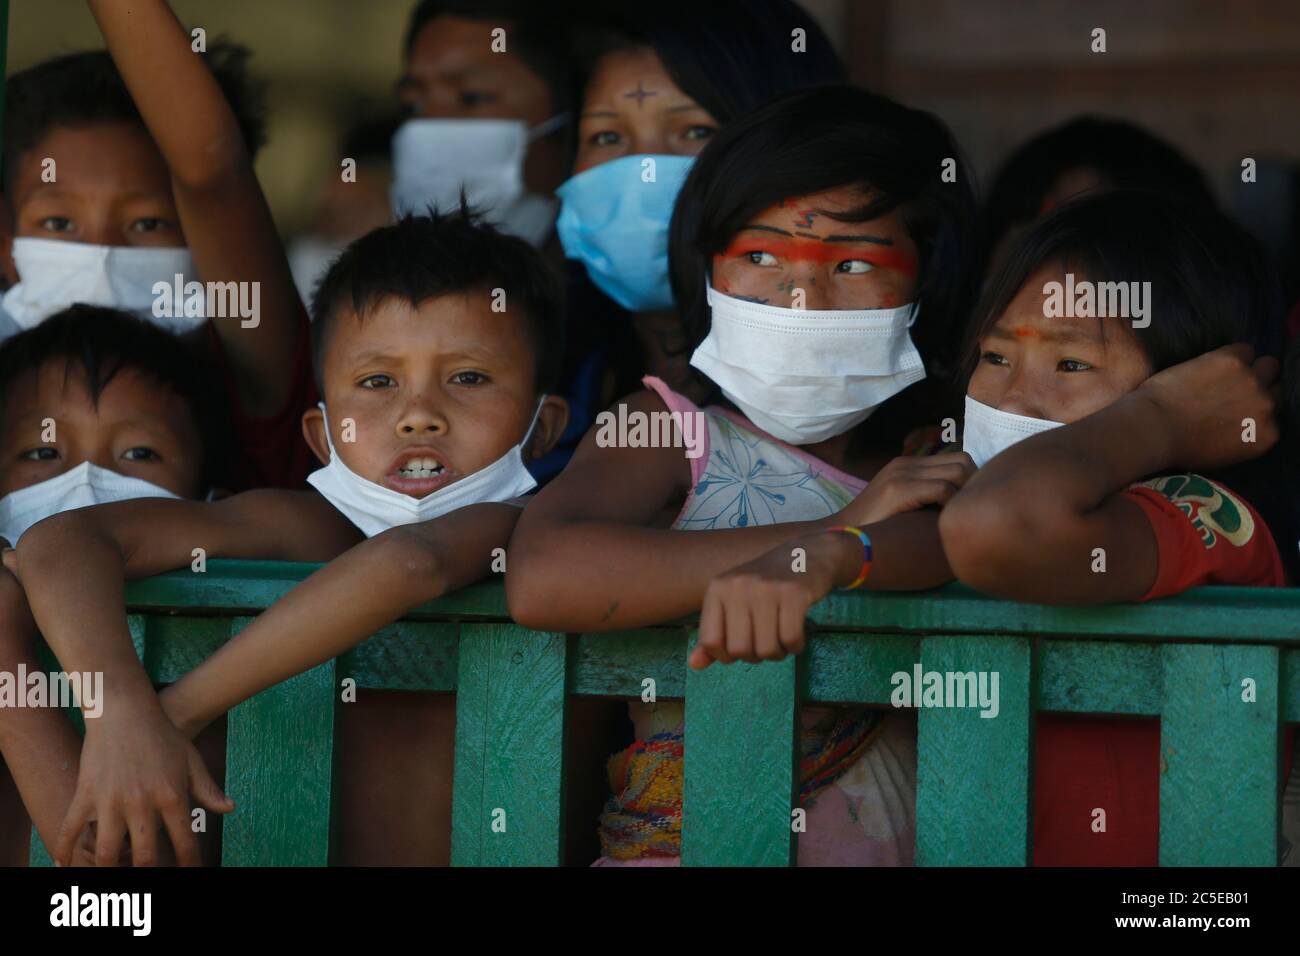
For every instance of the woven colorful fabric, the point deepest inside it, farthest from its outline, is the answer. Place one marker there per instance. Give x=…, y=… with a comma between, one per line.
x=828, y=751
x=644, y=817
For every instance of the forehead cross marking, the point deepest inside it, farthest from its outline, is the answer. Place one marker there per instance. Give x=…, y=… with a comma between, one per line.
x=639, y=95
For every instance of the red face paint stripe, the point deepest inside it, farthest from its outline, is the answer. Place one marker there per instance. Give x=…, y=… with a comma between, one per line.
x=807, y=250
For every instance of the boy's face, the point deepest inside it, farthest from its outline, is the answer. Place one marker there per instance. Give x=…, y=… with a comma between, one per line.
x=139, y=429
x=1059, y=369
x=453, y=73
x=110, y=187
x=434, y=393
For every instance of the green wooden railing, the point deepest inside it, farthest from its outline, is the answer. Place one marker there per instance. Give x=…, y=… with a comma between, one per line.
x=1182, y=659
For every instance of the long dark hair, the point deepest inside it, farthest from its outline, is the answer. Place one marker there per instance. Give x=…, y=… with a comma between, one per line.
x=828, y=138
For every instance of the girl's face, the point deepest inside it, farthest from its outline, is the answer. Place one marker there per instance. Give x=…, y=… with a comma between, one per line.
x=631, y=107
x=1058, y=369
x=794, y=255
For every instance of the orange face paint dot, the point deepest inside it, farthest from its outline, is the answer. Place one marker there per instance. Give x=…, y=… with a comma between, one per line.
x=1025, y=332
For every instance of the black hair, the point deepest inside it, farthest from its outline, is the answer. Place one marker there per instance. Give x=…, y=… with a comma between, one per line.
x=81, y=89
x=538, y=33
x=420, y=257
x=730, y=56
x=1122, y=154
x=1211, y=286
x=827, y=138
x=103, y=342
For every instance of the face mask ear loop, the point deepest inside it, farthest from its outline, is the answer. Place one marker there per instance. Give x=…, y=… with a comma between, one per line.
x=532, y=425
x=329, y=441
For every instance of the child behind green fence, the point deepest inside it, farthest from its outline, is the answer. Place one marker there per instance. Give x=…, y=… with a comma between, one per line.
x=1108, y=507
x=436, y=341
x=95, y=406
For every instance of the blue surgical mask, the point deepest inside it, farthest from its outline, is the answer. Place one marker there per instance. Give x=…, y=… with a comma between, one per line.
x=614, y=218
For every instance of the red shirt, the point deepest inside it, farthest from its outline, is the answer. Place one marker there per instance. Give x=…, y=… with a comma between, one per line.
x=269, y=451
x=1204, y=535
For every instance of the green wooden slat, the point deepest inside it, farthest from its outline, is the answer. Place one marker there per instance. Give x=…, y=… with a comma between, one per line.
x=510, y=708
x=1291, y=686
x=853, y=668
x=741, y=772
x=38, y=855
x=175, y=645
x=1258, y=615
x=407, y=655
x=1099, y=677
x=279, y=772
x=973, y=773
x=614, y=665
x=1219, y=786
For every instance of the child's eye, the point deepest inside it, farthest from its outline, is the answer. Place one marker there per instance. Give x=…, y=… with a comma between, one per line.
x=57, y=224
x=761, y=258
x=854, y=267
x=141, y=453
x=606, y=137
x=1073, y=365
x=699, y=132
x=45, y=453
x=468, y=378
x=148, y=224
x=378, y=380
x=993, y=358
x=475, y=98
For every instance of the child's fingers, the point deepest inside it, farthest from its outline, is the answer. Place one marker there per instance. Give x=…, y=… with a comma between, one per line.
x=740, y=632
x=10, y=558
x=142, y=823
x=176, y=820
x=790, y=625
x=767, y=636
x=699, y=658
x=712, y=627
x=1267, y=369
x=76, y=820
x=111, y=830
x=205, y=789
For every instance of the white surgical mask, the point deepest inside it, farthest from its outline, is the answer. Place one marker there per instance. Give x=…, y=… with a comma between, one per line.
x=374, y=508
x=86, y=484
x=989, y=431
x=805, y=375
x=435, y=159
x=54, y=274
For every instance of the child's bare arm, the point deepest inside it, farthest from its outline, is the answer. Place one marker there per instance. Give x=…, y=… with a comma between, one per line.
x=224, y=215
x=756, y=611
x=135, y=765
x=342, y=604
x=1027, y=525
x=588, y=556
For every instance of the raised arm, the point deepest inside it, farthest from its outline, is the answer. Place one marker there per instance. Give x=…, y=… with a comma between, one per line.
x=341, y=605
x=594, y=552
x=224, y=215
x=1027, y=526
